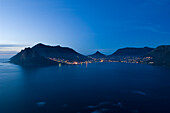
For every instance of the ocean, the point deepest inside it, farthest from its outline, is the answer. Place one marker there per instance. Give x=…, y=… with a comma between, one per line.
x=92, y=88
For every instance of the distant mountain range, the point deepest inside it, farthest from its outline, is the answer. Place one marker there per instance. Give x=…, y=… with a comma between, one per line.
x=98, y=55
x=132, y=51
x=44, y=55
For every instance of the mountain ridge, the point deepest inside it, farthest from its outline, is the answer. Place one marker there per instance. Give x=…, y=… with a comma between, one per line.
x=132, y=51
x=98, y=55
x=29, y=57
x=161, y=55
x=44, y=55
x=59, y=52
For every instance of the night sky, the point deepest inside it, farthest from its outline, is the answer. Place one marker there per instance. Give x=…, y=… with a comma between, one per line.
x=84, y=25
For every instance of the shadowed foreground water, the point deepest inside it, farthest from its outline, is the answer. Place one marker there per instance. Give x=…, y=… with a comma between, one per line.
x=92, y=88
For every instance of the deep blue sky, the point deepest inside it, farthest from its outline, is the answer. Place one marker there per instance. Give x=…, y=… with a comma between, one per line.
x=84, y=25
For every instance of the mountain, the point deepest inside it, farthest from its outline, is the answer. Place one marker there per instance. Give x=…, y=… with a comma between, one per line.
x=97, y=55
x=41, y=55
x=132, y=51
x=161, y=55
x=29, y=57
x=45, y=55
x=59, y=53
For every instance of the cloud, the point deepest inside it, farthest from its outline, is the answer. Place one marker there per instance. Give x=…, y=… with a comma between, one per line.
x=159, y=2
x=134, y=24
x=8, y=52
x=11, y=45
x=138, y=24
x=153, y=29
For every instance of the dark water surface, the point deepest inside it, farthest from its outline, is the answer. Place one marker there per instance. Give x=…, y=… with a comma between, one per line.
x=92, y=88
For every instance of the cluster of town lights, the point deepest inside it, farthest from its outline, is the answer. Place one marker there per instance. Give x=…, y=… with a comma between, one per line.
x=121, y=59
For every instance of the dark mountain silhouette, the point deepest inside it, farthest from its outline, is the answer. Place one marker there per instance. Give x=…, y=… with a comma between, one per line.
x=59, y=53
x=161, y=55
x=97, y=55
x=132, y=51
x=40, y=54
x=29, y=57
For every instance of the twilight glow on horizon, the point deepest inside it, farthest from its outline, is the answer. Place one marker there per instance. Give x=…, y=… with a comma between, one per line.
x=84, y=25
